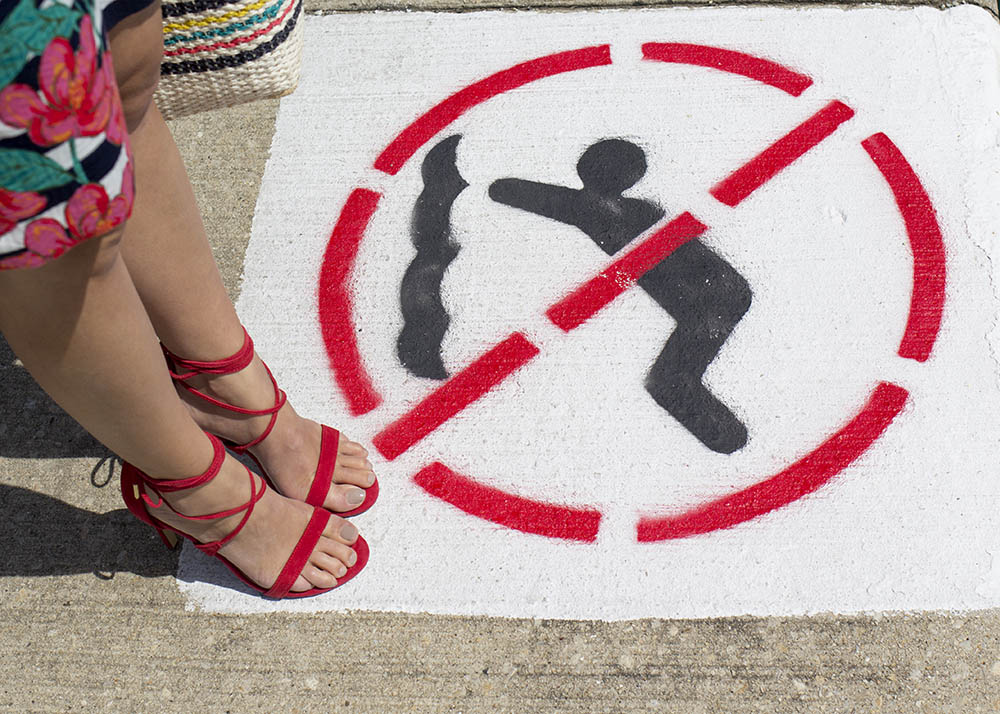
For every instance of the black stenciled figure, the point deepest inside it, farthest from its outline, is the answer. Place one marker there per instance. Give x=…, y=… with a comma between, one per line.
x=425, y=320
x=700, y=290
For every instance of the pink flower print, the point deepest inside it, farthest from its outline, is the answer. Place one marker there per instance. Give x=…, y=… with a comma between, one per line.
x=47, y=238
x=15, y=207
x=21, y=260
x=91, y=213
x=44, y=239
x=76, y=97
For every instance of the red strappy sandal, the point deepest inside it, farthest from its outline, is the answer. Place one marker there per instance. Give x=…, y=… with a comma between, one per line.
x=330, y=437
x=133, y=492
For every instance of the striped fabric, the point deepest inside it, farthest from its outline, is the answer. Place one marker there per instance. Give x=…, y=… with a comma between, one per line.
x=219, y=53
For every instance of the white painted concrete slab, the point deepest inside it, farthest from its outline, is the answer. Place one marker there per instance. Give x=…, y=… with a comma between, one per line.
x=900, y=500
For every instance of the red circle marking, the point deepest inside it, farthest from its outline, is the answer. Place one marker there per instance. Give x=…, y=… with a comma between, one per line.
x=336, y=319
x=505, y=509
x=804, y=476
x=749, y=66
x=926, y=244
x=405, y=145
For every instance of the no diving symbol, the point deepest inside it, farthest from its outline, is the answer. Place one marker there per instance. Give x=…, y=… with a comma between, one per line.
x=633, y=263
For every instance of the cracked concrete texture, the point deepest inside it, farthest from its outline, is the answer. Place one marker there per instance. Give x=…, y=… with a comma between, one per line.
x=318, y=6
x=91, y=619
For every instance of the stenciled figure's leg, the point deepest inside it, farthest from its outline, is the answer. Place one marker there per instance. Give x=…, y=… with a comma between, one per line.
x=708, y=298
x=425, y=320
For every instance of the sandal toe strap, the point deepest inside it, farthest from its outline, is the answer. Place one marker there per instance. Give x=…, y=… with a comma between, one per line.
x=300, y=555
x=328, y=444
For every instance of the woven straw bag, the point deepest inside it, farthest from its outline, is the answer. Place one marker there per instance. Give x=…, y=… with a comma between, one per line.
x=218, y=53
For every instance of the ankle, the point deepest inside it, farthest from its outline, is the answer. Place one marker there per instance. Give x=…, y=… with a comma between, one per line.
x=216, y=348
x=249, y=388
x=232, y=486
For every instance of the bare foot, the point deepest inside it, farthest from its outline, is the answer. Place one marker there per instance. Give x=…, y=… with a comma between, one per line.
x=261, y=548
x=290, y=452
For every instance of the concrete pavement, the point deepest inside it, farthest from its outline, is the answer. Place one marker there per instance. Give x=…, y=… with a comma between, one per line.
x=91, y=620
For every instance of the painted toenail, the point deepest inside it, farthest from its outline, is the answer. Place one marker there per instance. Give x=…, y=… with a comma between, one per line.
x=355, y=496
x=348, y=532
x=352, y=558
x=370, y=479
x=341, y=571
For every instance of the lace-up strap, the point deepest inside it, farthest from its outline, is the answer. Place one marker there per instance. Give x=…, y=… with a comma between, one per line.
x=228, y=365
x=161, y=486
x=255, y=495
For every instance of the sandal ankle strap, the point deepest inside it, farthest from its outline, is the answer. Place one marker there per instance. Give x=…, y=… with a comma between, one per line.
x=234, y=363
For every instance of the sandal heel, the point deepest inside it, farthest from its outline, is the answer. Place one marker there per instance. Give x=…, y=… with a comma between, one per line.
x=170, y=539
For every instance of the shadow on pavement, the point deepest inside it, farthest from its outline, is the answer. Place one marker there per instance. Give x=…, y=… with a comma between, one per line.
x=44, y=536
x=41, y=535
x=31, y=424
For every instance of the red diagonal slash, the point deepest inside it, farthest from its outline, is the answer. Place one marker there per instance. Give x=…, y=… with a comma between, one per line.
x=781, y=154
x=469, y=385
x=584, y=302
x=482, y=375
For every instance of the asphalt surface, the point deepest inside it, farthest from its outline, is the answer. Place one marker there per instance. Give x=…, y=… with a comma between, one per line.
x=91, y=618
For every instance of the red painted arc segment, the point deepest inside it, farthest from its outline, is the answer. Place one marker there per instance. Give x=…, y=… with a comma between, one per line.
x=456, y=394
x=406, y=144
x=781, y=154
x=335, y=303
x=584, y=302
x=755, y=68
x=506, y=509
x=803, y=477
x=926, y=244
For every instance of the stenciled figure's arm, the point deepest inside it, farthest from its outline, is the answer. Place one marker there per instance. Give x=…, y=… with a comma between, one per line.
x=556, y=202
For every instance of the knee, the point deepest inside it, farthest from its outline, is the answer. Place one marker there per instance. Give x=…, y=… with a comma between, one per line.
x=732, y=297
x=742, y=296
x=137, y=48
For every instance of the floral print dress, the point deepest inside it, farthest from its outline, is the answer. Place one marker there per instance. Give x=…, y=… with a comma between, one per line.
x=65, y=162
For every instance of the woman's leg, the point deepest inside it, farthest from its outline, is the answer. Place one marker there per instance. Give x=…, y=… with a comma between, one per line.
x=170, y=261
x=79, y=327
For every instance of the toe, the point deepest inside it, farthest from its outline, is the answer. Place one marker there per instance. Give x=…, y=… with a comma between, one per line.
x=357, y=463
x=318, y=576
x=354, y=470
x=347, y=447
x=335, y=565
x=344, y=498
x=329, y=560
x=341, y=530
